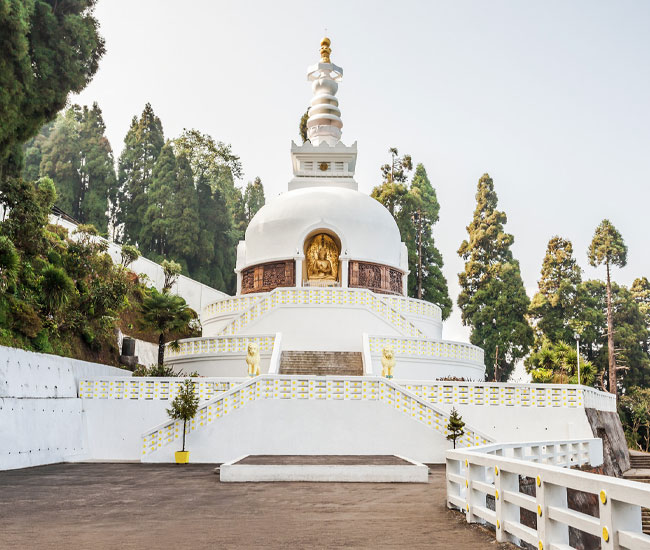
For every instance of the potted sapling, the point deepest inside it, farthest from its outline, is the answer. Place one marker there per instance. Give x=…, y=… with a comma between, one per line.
x=184, y=407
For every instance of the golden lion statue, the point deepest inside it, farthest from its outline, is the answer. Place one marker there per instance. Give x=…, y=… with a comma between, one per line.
x=253, y=359
x=387, y=362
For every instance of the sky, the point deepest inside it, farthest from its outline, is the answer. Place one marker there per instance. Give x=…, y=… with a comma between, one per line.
x=551, y=98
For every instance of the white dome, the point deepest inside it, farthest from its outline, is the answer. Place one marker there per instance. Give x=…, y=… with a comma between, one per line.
x=367, y=230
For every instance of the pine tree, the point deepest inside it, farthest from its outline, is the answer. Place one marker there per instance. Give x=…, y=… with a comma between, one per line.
x=554, y=306
x=608, y=247
x=493, y=300
x=158, y=219
x=142, y=145
x=392, y=190
x=455, y=426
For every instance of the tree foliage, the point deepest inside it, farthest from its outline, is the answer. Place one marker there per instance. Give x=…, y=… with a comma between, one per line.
x=607, y=247
x=493, y=301
x=75, y=153
x=415, y=209
x=634, y=408
x=184, y=405
x=455, y=426
x=554, y=307
x=48, y=48
x=558, y=363
x=166, y=313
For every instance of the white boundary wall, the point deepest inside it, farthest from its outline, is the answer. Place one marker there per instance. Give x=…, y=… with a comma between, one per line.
x=41, y=417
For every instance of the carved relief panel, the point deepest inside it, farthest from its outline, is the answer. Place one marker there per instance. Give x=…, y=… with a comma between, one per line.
x=266, y=277
x=375, y=277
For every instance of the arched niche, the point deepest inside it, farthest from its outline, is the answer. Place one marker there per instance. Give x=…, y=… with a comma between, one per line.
x=321, y=266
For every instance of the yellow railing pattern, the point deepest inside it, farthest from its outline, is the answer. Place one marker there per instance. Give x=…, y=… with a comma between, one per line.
x=411, y=306
x=425, y=347
x=220, y=344
x=322, y=297
x=509, y=395
x=229, y=305
x=311, y=388
x=150, y=389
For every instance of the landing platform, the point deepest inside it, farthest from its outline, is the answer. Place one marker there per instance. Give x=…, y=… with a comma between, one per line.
x=325, y=468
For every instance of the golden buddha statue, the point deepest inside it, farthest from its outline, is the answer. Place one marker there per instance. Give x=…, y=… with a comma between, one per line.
x=322, y=258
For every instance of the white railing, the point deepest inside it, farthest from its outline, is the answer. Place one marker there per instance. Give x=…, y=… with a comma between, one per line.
x=342, y=297
x=151, y=388
x=312, y=388
x=413, y=306
x=511, y=395
x=233, y=304
x=495, y=471
x=219, y=344
x=427, y=348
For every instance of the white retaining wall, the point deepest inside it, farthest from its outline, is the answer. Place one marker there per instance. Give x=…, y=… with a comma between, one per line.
x=41, y=417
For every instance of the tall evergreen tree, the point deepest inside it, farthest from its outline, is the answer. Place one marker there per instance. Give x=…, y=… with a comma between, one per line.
x=554, y=306
x=416, y=209
x=185, y=216
x=608, y=247
x=142, y=145
x=418, y=216
x=97, y=170
x=61, y=160
x=253, y=199
x=493, y=300
x=158, y=219
x=641, y=292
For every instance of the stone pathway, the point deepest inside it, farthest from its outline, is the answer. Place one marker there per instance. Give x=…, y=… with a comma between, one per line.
x=128, y=506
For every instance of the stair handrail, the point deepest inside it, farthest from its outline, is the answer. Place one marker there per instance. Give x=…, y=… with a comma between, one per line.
x=405, y=401
x=267, y=303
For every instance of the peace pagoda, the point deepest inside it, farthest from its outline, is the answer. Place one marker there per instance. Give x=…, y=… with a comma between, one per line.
x=322, y=275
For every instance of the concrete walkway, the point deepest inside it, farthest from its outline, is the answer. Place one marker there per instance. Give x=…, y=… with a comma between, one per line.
x=122, y=506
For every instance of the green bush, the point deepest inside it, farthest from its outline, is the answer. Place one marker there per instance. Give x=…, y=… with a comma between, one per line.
x=25, y=319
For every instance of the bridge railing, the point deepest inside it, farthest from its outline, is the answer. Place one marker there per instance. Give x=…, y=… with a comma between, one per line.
x=484, y=482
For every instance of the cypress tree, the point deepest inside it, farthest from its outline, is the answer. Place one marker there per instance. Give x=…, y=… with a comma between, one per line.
x=455, y=426
x=554, y=307
x=142, y=145
x=608, y=247
x=493, y=300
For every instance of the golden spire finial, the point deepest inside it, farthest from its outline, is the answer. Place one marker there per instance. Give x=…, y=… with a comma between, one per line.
x=325, y=50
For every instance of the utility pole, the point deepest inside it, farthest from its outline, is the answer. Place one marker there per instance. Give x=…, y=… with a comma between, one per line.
x=496, y=363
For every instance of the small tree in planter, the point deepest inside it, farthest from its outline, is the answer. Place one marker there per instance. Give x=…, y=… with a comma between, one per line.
x=184, y=407
x=455, y=426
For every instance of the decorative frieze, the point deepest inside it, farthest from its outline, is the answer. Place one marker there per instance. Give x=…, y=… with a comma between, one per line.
x=266, y=277
x=375, y=277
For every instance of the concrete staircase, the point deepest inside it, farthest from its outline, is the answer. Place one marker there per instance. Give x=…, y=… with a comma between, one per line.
x=321, y=363
x=640, y=471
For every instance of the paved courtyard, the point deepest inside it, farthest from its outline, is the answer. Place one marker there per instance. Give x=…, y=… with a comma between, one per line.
x=79, y=506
